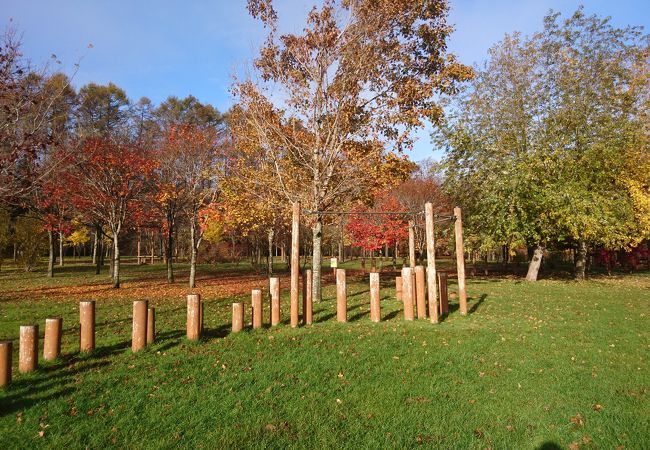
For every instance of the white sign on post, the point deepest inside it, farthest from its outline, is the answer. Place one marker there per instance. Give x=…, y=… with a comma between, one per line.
x=333, y=263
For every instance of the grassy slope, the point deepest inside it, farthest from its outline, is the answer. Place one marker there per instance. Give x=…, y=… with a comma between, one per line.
x=528, y=366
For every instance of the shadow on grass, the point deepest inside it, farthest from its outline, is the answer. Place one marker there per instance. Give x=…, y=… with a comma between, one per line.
x=359, y=316
x=476, y=305
x=549, y=446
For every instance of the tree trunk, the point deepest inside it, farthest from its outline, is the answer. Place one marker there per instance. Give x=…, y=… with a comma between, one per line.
x=270, y=262
x=317, y=237
x=111, y=260
x=139, y=246
x=169, y=248
x=153, y=248
x=99, y=261
x=95, y=242
x=60, y=249
x=535, y=263
x=50, y=262
x=581, y=261
x=116, y=261
x=193, y=253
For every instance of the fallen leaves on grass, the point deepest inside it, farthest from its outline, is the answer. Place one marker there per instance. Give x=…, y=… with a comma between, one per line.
x=578, y=420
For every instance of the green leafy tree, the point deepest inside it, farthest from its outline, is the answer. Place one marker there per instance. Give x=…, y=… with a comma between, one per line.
x=538, y=148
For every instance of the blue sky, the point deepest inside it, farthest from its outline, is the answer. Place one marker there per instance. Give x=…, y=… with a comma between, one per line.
x=165, y=47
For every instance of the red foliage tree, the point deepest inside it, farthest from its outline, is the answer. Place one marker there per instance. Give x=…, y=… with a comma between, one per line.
x=114, y=178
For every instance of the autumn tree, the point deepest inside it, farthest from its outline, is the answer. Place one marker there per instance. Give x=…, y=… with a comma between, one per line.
x=187, y=172
x=538, y=149
x=353, y=85
x=29, y=102
x=113, y=177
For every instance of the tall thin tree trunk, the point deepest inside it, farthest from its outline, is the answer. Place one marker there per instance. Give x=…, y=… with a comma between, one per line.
x=317, y=238
x=271, y=233
x=15, y=252
x=95, y=242
x=50, y=262
x=60, y=249
x=581, y=261
x=535, y=263
x=169, y=248
x=193, y=253
x=153, y=248
x=116, y=260
x=139, y=244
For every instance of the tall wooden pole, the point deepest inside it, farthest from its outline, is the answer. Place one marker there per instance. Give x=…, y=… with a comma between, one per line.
x=274, y=287
x=407, y=292
x=295, y=263
x=411, y=243
x=431, y=263
x=420, y=292
x=460, y=261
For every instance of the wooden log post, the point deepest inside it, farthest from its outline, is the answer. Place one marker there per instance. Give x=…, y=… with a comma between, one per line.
x=237, y=317
x=411, y=243
x=398, y=288
x=52, y=339
x=295, y=264
x=407, y=292
x=274, y=288
x=307, y=301
x=87, y=326
x=151, y=325
x=139, y=330
x=460, y=261
x=341, y=296
x=193, y=324
x=444, y=293
x=6, y=356
x=256, y=307
x=375, y=307
x=28, y=349
x=431, y=263
x=420, y=292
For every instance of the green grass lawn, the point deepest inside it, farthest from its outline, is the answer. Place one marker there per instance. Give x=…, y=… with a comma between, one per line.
x=550, y=363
